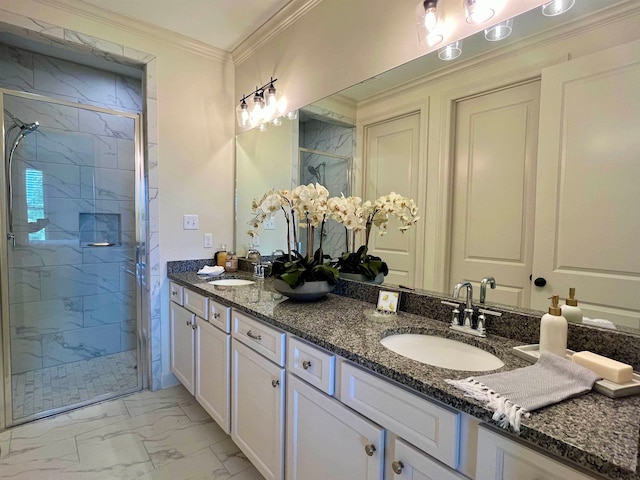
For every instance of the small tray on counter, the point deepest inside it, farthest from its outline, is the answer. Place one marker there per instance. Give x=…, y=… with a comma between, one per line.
x=531, y=353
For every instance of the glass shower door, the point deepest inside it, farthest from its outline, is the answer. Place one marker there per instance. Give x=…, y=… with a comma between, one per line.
x=72, y=319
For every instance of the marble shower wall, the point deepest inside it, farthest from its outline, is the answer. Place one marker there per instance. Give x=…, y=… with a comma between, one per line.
x=332, y=171
x=69, y=301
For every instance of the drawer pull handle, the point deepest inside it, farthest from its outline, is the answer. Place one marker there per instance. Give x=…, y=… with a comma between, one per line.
x=250, y=334
x=397, y=467
x=174, y=293
x=275, y=383
x=216, y=315
x=188, y=322
x=370, y=449
x=306, y=364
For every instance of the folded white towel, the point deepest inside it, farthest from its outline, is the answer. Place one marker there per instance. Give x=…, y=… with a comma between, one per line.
x=211, y=271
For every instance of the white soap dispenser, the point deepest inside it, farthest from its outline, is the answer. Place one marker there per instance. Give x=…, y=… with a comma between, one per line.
x=570, y=310
x=553, y=330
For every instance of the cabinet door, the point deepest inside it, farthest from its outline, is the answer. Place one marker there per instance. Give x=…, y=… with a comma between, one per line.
x=182, y=345
x=213, y=373
x=411, y=464
x=502, y=459
x=326, y=440
x=587, y=222
x=257, y=418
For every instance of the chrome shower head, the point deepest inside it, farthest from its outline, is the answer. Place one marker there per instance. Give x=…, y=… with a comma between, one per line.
x=27, y=128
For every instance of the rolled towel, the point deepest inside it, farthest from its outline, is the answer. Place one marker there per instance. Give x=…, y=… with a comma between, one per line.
x=211, y=271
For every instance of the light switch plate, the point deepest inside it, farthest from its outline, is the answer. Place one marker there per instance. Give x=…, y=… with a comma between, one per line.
x=190, y=222
x=208, y=240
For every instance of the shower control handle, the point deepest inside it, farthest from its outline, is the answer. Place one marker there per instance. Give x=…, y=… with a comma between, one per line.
x=12, y=238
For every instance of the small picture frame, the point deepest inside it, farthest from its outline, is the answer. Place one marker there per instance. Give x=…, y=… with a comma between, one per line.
x=388, y=301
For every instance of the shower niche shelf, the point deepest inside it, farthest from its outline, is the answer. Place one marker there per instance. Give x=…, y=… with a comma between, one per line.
x=100, y=229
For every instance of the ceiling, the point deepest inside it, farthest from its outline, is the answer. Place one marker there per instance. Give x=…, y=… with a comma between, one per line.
x=221, y=23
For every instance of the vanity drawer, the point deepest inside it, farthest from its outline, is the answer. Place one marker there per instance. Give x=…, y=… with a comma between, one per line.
x=176, y=293
x=310, y=363
x=220, y=316
x=430, y=427
x=262, y=338
x=198, y=304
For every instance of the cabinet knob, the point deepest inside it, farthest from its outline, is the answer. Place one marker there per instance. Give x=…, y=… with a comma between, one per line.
x=250, y=334
x=216, y=315
x=188, y=322
x=275, y=383
x=370, y=449
x=194, y=326
x=397, y=467
x=306, y=364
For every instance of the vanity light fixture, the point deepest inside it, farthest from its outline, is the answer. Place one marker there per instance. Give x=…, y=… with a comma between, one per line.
x=267, y=107
x=499, y=31
x=427, y=21
x=451, y=51
x=478, y=11
x=556, y=7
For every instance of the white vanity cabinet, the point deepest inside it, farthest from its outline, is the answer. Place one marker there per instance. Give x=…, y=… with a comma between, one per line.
x=213, y=364
x=182, y=327
x=326, y=440
x=258, y=394
x=500, y=458
x=408, y=463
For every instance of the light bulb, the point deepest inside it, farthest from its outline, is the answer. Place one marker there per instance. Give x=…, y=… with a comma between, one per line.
x=556, y=7
x=478, y=11
x=276, y=122
x=430, y=15
x=499, y=31
x=242, y=114
x=451, y=51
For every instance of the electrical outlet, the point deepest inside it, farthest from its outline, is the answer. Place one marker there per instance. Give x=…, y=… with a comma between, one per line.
x=269, y=224
x=190, y=222
x=208, y=240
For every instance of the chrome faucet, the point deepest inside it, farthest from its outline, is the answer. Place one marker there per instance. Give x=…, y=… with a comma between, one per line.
x=468, y=311
x=483, y=287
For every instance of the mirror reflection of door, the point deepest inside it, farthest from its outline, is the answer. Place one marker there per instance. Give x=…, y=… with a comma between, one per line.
x=494, y=178
x=392, y=159
x=587, y=221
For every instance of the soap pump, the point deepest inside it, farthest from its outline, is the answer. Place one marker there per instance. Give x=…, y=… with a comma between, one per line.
x=553, y=330
x=570, y=310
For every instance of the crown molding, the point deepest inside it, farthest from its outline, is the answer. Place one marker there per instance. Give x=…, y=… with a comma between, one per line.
x=137, y=27
x=280, y=21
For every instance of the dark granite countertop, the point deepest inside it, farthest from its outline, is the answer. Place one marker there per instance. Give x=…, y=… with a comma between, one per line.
x=599, y=434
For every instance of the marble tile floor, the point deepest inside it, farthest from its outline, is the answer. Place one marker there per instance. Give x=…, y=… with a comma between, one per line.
x=162, y=435
x=54, y=387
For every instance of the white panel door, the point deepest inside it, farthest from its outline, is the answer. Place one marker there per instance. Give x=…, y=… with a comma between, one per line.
x=213, y=373
x=326, y=440
x=494, y=164
x=182, y=345
x=257, y=410
x=391, y=165
x=587, y=217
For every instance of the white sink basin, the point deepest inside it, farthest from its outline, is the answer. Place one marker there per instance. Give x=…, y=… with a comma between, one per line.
x=231, y=282
x=442, y=352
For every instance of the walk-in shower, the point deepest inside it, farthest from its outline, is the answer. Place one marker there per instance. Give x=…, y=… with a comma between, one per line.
x=69, y=254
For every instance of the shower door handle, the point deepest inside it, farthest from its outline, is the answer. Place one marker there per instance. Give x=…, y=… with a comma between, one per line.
x=12, y=238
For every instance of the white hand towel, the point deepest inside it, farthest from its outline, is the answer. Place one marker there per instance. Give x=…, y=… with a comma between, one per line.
x=211, y=271
x=515, y=393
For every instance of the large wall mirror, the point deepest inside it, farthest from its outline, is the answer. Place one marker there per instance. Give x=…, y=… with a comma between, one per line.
x=521, y=155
